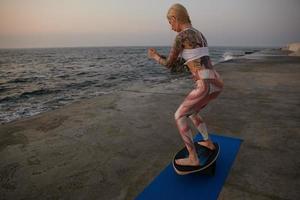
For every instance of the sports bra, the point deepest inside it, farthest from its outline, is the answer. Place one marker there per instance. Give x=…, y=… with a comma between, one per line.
x=193, y=54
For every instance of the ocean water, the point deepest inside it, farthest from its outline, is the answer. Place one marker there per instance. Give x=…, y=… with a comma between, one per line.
x=36, y=80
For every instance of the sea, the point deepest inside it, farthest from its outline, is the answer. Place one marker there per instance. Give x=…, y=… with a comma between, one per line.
x=37, y=80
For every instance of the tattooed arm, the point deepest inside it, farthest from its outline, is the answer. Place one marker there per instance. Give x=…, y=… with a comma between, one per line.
x=175, y=50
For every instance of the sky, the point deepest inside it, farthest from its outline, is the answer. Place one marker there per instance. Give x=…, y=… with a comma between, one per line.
x=73, y=23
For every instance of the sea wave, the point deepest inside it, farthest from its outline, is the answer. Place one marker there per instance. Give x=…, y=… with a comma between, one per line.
x=36, y=80
x=26, y=95
x=229, y=55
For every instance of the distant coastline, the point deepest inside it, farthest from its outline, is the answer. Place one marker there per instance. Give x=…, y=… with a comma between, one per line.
x=294, y=48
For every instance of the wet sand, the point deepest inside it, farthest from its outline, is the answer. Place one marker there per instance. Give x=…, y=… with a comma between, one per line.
x=113, y=146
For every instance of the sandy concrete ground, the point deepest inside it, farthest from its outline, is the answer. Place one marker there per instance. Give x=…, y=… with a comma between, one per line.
x=113, y=146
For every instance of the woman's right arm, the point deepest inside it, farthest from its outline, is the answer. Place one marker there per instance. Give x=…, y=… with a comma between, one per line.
x=173, y=55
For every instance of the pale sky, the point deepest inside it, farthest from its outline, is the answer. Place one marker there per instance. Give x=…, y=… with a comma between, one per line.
x=70, y=23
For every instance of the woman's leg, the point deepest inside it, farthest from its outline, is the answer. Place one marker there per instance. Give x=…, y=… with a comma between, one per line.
x=181, y=115
x=215, y=88
x=187, y=137
x=201, y=126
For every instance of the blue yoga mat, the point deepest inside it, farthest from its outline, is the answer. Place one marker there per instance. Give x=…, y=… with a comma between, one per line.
x=169, y=185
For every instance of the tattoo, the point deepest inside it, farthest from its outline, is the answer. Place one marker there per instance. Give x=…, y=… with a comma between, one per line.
x=174, y=52
x=193, y=39
x=188, y=39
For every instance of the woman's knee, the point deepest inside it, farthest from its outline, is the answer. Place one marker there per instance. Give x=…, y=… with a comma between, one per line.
x=214, y=95
x=196, y=119
x=177, y=114
x=193, y=116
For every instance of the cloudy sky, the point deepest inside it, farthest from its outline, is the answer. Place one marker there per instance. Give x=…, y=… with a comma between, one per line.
x=69, y=23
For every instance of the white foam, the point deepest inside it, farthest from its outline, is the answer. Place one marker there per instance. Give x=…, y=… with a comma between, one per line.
x=229, y=55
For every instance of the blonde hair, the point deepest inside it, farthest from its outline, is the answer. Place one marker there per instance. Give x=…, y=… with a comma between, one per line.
x=179, y=12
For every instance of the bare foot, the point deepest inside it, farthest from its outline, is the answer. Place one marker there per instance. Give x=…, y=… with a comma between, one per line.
x=208, y=144
x=187, y=162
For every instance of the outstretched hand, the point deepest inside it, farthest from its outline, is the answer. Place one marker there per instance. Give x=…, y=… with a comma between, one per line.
x=152, y=53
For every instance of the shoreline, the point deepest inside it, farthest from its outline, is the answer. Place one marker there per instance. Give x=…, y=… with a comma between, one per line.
x=113, y=145
x=16, y=107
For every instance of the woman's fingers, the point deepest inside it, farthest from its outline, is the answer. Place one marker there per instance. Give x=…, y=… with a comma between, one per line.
x=151, y=52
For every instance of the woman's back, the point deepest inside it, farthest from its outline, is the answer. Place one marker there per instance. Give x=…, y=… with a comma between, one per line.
x=194, y=49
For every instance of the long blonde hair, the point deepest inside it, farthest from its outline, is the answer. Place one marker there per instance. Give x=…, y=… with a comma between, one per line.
x=179, y=12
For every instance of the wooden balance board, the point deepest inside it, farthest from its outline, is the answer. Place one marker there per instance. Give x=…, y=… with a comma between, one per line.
x=206, y=156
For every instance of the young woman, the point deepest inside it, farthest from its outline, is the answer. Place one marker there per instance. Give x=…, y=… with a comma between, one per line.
x=192, y=46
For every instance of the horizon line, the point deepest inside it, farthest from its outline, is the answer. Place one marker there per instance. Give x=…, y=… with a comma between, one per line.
x=120, y=46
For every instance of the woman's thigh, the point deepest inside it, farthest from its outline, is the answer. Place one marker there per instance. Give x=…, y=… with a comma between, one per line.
x=210, y=95
x=196, y=97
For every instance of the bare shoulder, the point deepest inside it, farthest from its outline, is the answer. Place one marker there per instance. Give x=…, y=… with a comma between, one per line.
x=190, y=38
